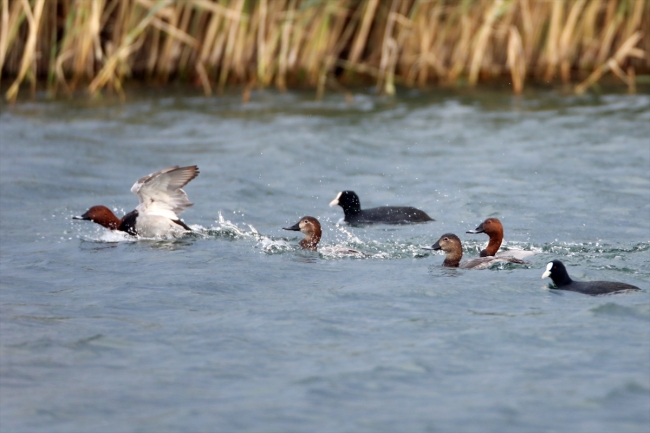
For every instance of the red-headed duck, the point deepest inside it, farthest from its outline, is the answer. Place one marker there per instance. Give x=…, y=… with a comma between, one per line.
x=451, y=245
x=161, y=200
x=494, y=229
x=311, y=228
x=558, y=273
x=351, y=205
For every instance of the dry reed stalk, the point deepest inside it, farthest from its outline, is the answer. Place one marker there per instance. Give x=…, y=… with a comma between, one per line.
x=426, y=58
x=370, y=6
x=386, y=81
x=285, y=39
x=589, y=40
x=634, y=22
x=566, y=39
x=214, y=46
x=4, y=31
x=461, y=50
x=262, y=59
x=400, y=62
x=129, y=43
x=241, y=59
x=259, y=43
x=612, y=21
x=528, y=30
x=273, y=42
x=625, y=50
x=482, y=40
x=440, y=50
x=339, y=35
x=553, y=39
x=230, y=44
x=165, y=56
x=33, y=18
x=516, y=60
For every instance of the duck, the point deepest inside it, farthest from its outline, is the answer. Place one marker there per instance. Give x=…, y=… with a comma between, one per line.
x=161, y=200
x=351, y=205
x=557, y=272
x=494, y=229
x=451, y=245
x=311, y=228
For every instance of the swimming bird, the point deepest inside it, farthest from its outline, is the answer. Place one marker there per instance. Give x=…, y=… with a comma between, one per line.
x=451, y=245
x=558, y=273
x=311, y=228
x=161, y=200
x=494, y=229
x=351, y=205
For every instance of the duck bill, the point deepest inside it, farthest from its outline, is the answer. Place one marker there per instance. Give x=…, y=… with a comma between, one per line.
x=294, y=228
x=434, y=247
x=478, y=229
x=81, y=217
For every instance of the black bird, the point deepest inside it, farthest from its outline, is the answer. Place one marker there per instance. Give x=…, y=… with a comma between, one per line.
x=351, y=205
x=561, y=279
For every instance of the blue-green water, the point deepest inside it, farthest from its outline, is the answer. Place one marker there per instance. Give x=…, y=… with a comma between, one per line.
x=236, y=329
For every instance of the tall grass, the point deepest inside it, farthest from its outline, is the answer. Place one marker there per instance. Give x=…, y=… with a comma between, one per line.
x=98, y=44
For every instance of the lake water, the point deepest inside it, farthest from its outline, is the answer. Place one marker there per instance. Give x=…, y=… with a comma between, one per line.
x=234, y=328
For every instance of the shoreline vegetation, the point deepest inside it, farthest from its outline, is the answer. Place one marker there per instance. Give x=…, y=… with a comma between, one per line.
x=98, y=45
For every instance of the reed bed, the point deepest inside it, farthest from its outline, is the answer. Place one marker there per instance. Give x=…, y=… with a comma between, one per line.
x=98, y=44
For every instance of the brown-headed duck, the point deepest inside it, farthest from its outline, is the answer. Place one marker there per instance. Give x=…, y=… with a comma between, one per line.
x=351, y=205
x=556, y=270
x=494, y=229
x=451, y=245
x=310, y=227
x=161, y=200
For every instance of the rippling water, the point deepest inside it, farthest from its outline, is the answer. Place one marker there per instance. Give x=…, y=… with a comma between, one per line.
x=234, y=328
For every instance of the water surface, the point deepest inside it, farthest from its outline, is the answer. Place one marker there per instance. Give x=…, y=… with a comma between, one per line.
x=236, y=329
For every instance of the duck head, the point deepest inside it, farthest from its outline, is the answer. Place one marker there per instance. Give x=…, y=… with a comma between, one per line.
x=102, y=216
x=494, y=229
x=310, y=227
x=453, y=248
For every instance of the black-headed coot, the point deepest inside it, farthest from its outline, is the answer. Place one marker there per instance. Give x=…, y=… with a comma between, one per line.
x=351, y=205
x=562, y=281
x=161, y=200
x=451, y=245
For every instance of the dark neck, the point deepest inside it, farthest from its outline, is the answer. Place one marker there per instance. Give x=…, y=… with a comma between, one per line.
x=109, y=221
x=310, y=242
x=351, y=211
x=492, y=247
x=452, y=259
x=450, y=263
x=562, y=281
x=128, y=223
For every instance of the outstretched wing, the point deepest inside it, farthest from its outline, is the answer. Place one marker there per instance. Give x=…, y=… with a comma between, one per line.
x=160, y=193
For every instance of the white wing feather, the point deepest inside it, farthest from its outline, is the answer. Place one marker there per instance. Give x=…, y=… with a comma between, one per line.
x=160, y=193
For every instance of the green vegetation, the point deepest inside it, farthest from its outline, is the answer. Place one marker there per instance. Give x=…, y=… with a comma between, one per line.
x=98, y=44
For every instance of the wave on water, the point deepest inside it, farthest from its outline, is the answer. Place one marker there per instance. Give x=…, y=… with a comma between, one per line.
x=339, y=241
x=641, y=311
x=228, y=229
x=592, y=249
